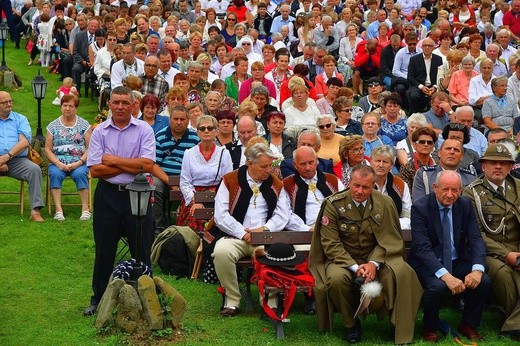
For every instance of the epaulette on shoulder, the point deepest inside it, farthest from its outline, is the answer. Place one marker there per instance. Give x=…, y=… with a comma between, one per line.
x=475, y=182
x=338, y=195
x=429, y=168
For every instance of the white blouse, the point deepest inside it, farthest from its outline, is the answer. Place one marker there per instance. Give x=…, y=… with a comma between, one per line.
x=196, y=171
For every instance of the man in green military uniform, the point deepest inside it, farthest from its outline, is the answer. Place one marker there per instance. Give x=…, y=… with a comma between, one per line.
x=496, y=199
x=357, y=234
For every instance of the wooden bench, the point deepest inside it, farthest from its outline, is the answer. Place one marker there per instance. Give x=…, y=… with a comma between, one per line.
x=208, y=199
x=175, y=195
x=288, y=237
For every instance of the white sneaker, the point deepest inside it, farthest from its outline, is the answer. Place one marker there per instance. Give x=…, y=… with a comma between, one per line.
x=59, y=216
x=56, y=101
x=85, y=216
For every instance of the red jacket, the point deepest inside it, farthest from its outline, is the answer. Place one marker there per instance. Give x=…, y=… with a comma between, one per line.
x=362, y=56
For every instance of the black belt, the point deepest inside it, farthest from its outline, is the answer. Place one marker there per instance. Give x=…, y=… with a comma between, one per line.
x=116, y=187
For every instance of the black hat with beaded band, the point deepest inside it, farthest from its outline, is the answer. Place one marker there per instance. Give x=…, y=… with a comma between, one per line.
x=281, y=255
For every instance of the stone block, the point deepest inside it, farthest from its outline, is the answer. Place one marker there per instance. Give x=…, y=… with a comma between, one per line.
x=151, y=306
x=108, y=302
x=129, y=314
x=178, y=305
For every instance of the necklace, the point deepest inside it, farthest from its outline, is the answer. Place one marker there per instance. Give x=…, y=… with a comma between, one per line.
x=256, y=192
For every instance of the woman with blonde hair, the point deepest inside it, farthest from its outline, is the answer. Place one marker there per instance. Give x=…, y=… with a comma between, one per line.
x=351, y=154
x=121, y=31
x=447, y=69
x=306, y=32
x=301, y=114
x=205, y=60
x=175, y=97
x=195, y=43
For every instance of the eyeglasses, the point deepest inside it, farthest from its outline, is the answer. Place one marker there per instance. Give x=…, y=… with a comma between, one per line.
x=371, y=124
x=6, y=102
x=357, y=150
x=325, y=126
x=428, y=45
x=205, y=128
x=246, y=44
x=424, y=142
x=373, y=84
x=111, y=39
x=231, y=20
x=346, y=110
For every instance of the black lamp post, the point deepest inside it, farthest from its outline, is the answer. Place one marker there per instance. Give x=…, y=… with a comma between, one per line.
x=39, y=86
x=140, y=193
x=4, y=31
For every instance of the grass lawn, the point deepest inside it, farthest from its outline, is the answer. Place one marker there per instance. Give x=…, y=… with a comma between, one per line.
x=47, y=269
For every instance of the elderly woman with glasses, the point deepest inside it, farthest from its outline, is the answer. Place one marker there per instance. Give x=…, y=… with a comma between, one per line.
x=459, y=82
x=371, y=123
x=279, y=142
x=203, y=167
x=382, y=160
x=500, y=110
x=329, y=139
x=345, y=125
x=351, y=153
x=405, y=148
x=423, y=142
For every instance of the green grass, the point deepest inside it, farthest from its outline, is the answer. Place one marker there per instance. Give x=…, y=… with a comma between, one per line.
x=46, y=273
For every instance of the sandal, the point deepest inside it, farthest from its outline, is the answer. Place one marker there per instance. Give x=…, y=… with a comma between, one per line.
x=59, y=216
x=85, y=215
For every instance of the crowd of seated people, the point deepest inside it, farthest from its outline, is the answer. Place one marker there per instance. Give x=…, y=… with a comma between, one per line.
x=418, y=88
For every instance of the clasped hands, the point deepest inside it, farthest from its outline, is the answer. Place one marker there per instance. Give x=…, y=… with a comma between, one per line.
x=511, y=259
x=368, y=271
x=456, y=286
x=247, y=236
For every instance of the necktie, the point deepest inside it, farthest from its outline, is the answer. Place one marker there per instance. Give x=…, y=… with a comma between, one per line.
x=446, y=240
x=90, y=39
x=164, y=74
x=361, y=209
x=500, y=190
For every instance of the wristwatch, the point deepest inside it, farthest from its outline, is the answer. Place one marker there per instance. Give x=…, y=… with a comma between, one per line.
x=266, y=229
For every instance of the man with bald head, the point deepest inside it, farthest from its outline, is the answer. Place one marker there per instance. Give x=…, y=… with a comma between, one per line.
x=307, y=188
x=152, y=82
x=307, y=138
x=422, y=76
x=493, y=52
x=246, y=128
x=449, y=255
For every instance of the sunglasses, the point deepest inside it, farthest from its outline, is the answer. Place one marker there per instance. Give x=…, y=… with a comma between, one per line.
x=246, y=44
x=373, y=84
x=231, y=20
x=326, y=126
x=346, y=110
x=424, y=142
x=205, y=128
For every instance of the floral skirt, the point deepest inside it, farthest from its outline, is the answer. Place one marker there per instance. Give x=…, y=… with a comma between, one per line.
x=186, y=219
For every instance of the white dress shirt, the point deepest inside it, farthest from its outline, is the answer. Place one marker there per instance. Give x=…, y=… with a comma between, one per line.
x=256, y=215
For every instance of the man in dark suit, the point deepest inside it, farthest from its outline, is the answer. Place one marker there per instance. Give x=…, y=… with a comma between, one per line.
x=449, y=255
x=307, y=138
x=80, y=52
x=488, y=36
x=246, y=128
x=422, y=79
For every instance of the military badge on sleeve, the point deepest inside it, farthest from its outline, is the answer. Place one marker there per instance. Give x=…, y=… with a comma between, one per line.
x=325, y=220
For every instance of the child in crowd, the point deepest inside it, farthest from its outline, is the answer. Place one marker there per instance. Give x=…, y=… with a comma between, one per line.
x=44, y=42
x=65, y=89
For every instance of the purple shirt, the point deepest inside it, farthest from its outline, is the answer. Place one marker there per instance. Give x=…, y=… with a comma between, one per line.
x=136, y=140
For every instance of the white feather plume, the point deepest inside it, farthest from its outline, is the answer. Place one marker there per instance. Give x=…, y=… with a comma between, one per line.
x=372, y=289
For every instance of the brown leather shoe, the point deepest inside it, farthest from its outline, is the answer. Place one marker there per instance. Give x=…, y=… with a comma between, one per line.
x=430, y=336
x=469, y=332
x=230, y=312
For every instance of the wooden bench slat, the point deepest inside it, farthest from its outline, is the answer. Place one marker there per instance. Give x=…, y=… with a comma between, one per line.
x=203, y=213
x=289, y=237
x=204, y=197
x=174, y=180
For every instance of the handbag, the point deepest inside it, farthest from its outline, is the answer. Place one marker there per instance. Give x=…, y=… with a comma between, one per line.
x=34, y=156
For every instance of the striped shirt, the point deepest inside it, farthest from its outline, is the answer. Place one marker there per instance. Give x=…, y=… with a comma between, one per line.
x=170, y=152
